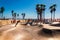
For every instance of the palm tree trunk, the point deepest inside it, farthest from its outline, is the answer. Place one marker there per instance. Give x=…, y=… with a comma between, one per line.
x=38, y=16
x=23, y=16
x=51, y=17
x=54, y=16
x=44, y=17
x=2, y=15
x=41, y=17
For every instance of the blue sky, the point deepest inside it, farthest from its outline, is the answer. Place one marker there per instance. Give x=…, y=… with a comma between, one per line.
x=28, y=7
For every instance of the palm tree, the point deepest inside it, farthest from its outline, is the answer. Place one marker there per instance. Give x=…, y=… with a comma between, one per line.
x=52, y=9
x=12, y=13
x=43, y=11
x=23, y=15
x=51, y=12
x=18, y=15
x=2, y=10
x=40, y=9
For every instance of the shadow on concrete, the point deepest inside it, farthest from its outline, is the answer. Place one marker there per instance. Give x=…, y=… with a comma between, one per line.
x=45, y=32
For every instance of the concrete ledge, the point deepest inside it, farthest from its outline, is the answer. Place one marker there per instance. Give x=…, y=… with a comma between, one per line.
x=5, y=22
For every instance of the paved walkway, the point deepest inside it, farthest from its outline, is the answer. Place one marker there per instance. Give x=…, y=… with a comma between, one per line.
x=16, y=33
x=21, y=32
x=6, y=27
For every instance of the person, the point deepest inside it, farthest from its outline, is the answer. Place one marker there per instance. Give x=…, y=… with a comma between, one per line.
x=17, y=22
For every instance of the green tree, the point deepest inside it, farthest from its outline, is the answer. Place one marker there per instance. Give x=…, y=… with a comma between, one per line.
x=12, y=13
x=43, y=11
x=2, y=9
x=40, y=10
x=23, y=15
x=52, y=10
x=18, y=15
